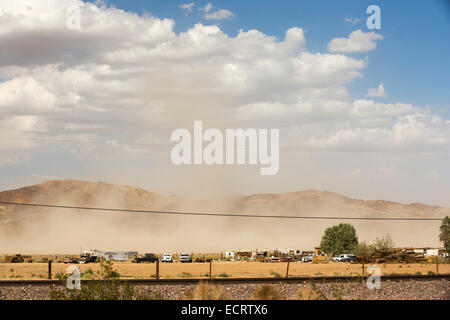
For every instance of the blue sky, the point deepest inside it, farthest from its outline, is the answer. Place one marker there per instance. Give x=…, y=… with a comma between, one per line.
x=412, y=60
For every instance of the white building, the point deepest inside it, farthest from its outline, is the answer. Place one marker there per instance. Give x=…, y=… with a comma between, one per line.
x=111, y=255
x=432, y=252
x=229, y=254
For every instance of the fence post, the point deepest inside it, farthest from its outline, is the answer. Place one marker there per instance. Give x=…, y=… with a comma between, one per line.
x=437, y=264
x=287, y=270
x=157, y=269
x=210, y=269
x=363, y=269
x=49, y=269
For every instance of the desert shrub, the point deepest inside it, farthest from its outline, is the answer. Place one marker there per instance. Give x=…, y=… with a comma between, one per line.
x=267, y=292
x=107, y=287
x=185, y=275
x=430, y=273
x=307, y=293
x=363, y=249
x=223, y=275
x=205, y=291
x=88, y=274
x=384, y=244
x=418, y=273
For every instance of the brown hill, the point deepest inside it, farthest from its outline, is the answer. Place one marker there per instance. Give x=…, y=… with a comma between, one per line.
x=30, y=229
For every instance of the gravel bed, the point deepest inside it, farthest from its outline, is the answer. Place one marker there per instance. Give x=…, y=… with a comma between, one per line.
x=391, y=290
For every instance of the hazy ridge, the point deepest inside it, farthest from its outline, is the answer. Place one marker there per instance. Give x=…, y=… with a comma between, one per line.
x=30, y=229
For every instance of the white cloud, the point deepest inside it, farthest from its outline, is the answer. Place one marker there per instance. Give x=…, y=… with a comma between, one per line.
x=220, y=14
x=113, y=84
x=378, y=92
x=358, y=41
x=129, y=77
x=187, y=7
x=207, y=8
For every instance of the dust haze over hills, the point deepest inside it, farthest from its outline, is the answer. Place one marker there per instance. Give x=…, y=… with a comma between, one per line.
x=46, y=230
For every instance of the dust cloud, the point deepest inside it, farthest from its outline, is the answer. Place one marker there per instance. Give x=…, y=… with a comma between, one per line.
x=45, y=231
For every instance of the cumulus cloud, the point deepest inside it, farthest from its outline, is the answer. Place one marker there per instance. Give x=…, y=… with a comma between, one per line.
x=128, y=77
x=358, y=41
x=378, y=92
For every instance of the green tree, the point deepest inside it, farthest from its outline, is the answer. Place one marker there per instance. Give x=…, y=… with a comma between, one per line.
x=445, y=233
x=339, y=239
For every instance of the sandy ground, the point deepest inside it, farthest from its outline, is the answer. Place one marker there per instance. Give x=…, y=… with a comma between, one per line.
x=235, y=269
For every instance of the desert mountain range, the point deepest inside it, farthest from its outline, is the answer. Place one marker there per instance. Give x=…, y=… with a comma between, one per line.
x=43, y=230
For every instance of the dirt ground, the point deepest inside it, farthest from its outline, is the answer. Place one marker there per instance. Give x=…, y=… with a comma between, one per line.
x=235, y=269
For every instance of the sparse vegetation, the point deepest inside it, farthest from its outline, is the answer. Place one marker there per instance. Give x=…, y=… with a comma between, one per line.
x=308, y=293
x=363, y=249
x=224, y=275
x=185, y=275
x=205, y=291
x=108, y=287
x=267, y=292
x=384, y=244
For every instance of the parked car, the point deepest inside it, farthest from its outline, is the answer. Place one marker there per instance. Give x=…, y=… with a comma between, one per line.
x=185, y=257
x=148, y=257
x=274, y=259
x=167, y=258
x=351, y=258
x=307, y=258
x=342, y=257
x=87, y=259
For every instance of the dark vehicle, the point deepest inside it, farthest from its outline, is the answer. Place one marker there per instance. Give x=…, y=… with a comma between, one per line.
x=87, y=259
x=184, y=257
x=148, y=257
x=203, y=260
x=350, y=258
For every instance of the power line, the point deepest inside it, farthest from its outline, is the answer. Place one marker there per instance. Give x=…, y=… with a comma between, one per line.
x=218, y=214
x=88, y=141
x=113, y=142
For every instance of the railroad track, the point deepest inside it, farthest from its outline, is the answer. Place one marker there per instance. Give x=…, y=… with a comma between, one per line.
x=240, y=280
